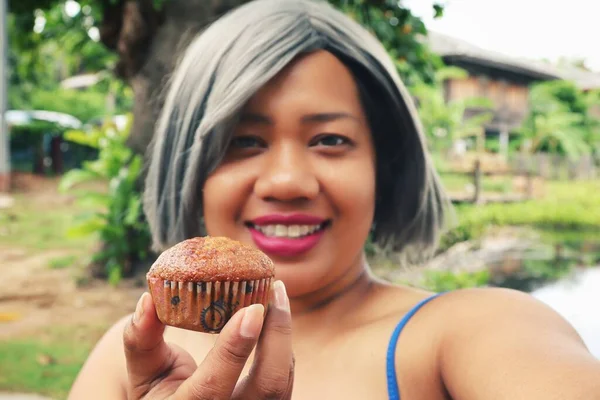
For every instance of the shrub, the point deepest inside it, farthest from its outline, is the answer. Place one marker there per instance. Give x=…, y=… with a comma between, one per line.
x=119, y=221
x=444, y=281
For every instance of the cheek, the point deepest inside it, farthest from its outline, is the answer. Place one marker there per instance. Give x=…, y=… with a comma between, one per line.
x=223, y=197
x=353, y=189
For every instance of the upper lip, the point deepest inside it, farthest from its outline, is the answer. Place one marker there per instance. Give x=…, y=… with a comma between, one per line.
x=288, y=219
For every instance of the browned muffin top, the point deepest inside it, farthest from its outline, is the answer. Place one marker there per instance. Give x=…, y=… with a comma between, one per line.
x=212, y=259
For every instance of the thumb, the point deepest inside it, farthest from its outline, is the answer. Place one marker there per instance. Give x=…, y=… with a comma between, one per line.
x=147, y=355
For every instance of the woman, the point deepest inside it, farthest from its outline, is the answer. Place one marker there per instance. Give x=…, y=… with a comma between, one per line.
x=287, y=127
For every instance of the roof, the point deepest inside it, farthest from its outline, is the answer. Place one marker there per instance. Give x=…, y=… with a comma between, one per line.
x=584, y=79
x=450, y=47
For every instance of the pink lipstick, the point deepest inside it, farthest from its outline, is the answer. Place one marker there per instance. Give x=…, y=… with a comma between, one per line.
x=287, y=235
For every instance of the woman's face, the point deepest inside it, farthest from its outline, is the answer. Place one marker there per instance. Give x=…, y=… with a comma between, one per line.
x=298, y=181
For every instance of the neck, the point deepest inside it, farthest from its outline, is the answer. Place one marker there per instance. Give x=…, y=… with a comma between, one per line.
x=334, y=301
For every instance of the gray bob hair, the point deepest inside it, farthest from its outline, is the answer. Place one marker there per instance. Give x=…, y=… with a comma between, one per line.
x=229, y=62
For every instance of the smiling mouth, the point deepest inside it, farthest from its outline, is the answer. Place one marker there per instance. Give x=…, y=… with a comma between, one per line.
x=289, y=231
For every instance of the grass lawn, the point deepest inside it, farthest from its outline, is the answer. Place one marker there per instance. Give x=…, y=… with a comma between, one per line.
x=36, y=224
x=46, y=364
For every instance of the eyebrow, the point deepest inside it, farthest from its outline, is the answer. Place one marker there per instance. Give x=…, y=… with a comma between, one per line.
x=307, y=119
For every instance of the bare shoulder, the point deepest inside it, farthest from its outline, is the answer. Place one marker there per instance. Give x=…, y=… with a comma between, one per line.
x=104, y=373
x=499, y=308
x=466, y=311
x=504, y=316
x=507, y=344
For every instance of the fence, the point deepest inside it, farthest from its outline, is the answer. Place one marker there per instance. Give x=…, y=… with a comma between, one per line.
x=522, y=186
x=525, y=173
x=555, y=167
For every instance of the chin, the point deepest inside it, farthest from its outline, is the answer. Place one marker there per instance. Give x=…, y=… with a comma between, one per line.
x=301, y=279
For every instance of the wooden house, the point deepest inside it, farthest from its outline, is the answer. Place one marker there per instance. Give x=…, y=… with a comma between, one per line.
x=503, y=79
x=500, y=78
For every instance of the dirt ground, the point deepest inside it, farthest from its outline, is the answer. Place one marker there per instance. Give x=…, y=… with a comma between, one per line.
x=35, y=298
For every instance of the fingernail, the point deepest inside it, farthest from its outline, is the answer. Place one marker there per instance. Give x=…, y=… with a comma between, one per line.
x=252, y=321
x=280, y=300
x=139, y=309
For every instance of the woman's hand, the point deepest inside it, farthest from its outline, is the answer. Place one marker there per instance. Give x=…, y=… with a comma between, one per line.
x=158, y=370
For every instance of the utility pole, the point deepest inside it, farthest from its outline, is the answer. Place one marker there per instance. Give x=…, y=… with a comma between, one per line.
x=4, y=141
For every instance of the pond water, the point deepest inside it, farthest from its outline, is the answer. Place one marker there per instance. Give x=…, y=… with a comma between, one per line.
x=577, y=298
x=566, y=278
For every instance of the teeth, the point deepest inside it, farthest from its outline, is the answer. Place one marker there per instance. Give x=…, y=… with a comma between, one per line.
x=294, y=231
x=291, y=231
x=269, y=230
x=281, y=230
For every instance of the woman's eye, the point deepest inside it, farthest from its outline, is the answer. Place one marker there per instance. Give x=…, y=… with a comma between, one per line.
x=330, y=141
x=246, y=142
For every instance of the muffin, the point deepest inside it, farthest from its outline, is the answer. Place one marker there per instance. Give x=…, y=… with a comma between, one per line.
x=200, y=283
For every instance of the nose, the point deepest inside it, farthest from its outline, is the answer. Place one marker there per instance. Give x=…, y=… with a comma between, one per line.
x=287, y=175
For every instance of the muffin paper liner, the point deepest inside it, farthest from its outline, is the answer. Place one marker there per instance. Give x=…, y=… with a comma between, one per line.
x=205, y=306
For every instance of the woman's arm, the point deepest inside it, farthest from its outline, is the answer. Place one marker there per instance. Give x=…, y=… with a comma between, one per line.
x=104, y=375
x=504, y=344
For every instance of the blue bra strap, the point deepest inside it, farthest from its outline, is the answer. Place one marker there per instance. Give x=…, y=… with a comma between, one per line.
x=393, y=390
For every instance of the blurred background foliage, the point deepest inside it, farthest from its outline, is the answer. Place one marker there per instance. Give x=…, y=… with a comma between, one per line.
x=54, y=43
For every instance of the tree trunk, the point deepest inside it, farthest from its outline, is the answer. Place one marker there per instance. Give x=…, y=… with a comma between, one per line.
x=149, y=43
x=56, y=155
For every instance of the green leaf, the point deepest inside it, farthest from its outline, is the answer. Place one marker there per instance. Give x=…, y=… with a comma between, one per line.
x=75, y=177
x=116, y=231
x=135, y=168
x=438, y=10
x=82, y=138
x=86, y=228
x=114, y=273
x=133, y=211
x=94, y=199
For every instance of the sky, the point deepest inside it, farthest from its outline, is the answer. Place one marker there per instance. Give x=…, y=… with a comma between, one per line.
x=538, y=29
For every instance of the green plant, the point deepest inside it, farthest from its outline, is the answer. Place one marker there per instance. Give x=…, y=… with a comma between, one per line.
x=118, y=218
x=400, y=31
x=571, y=208
x=561, y=120
x=83, y=105
x=550, y=270
x=534, y=273
x=566, y=207
x=445, y=122
x=443, y=281
x=460, y=233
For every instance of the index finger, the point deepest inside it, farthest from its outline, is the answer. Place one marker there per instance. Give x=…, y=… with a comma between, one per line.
x=272, y=374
